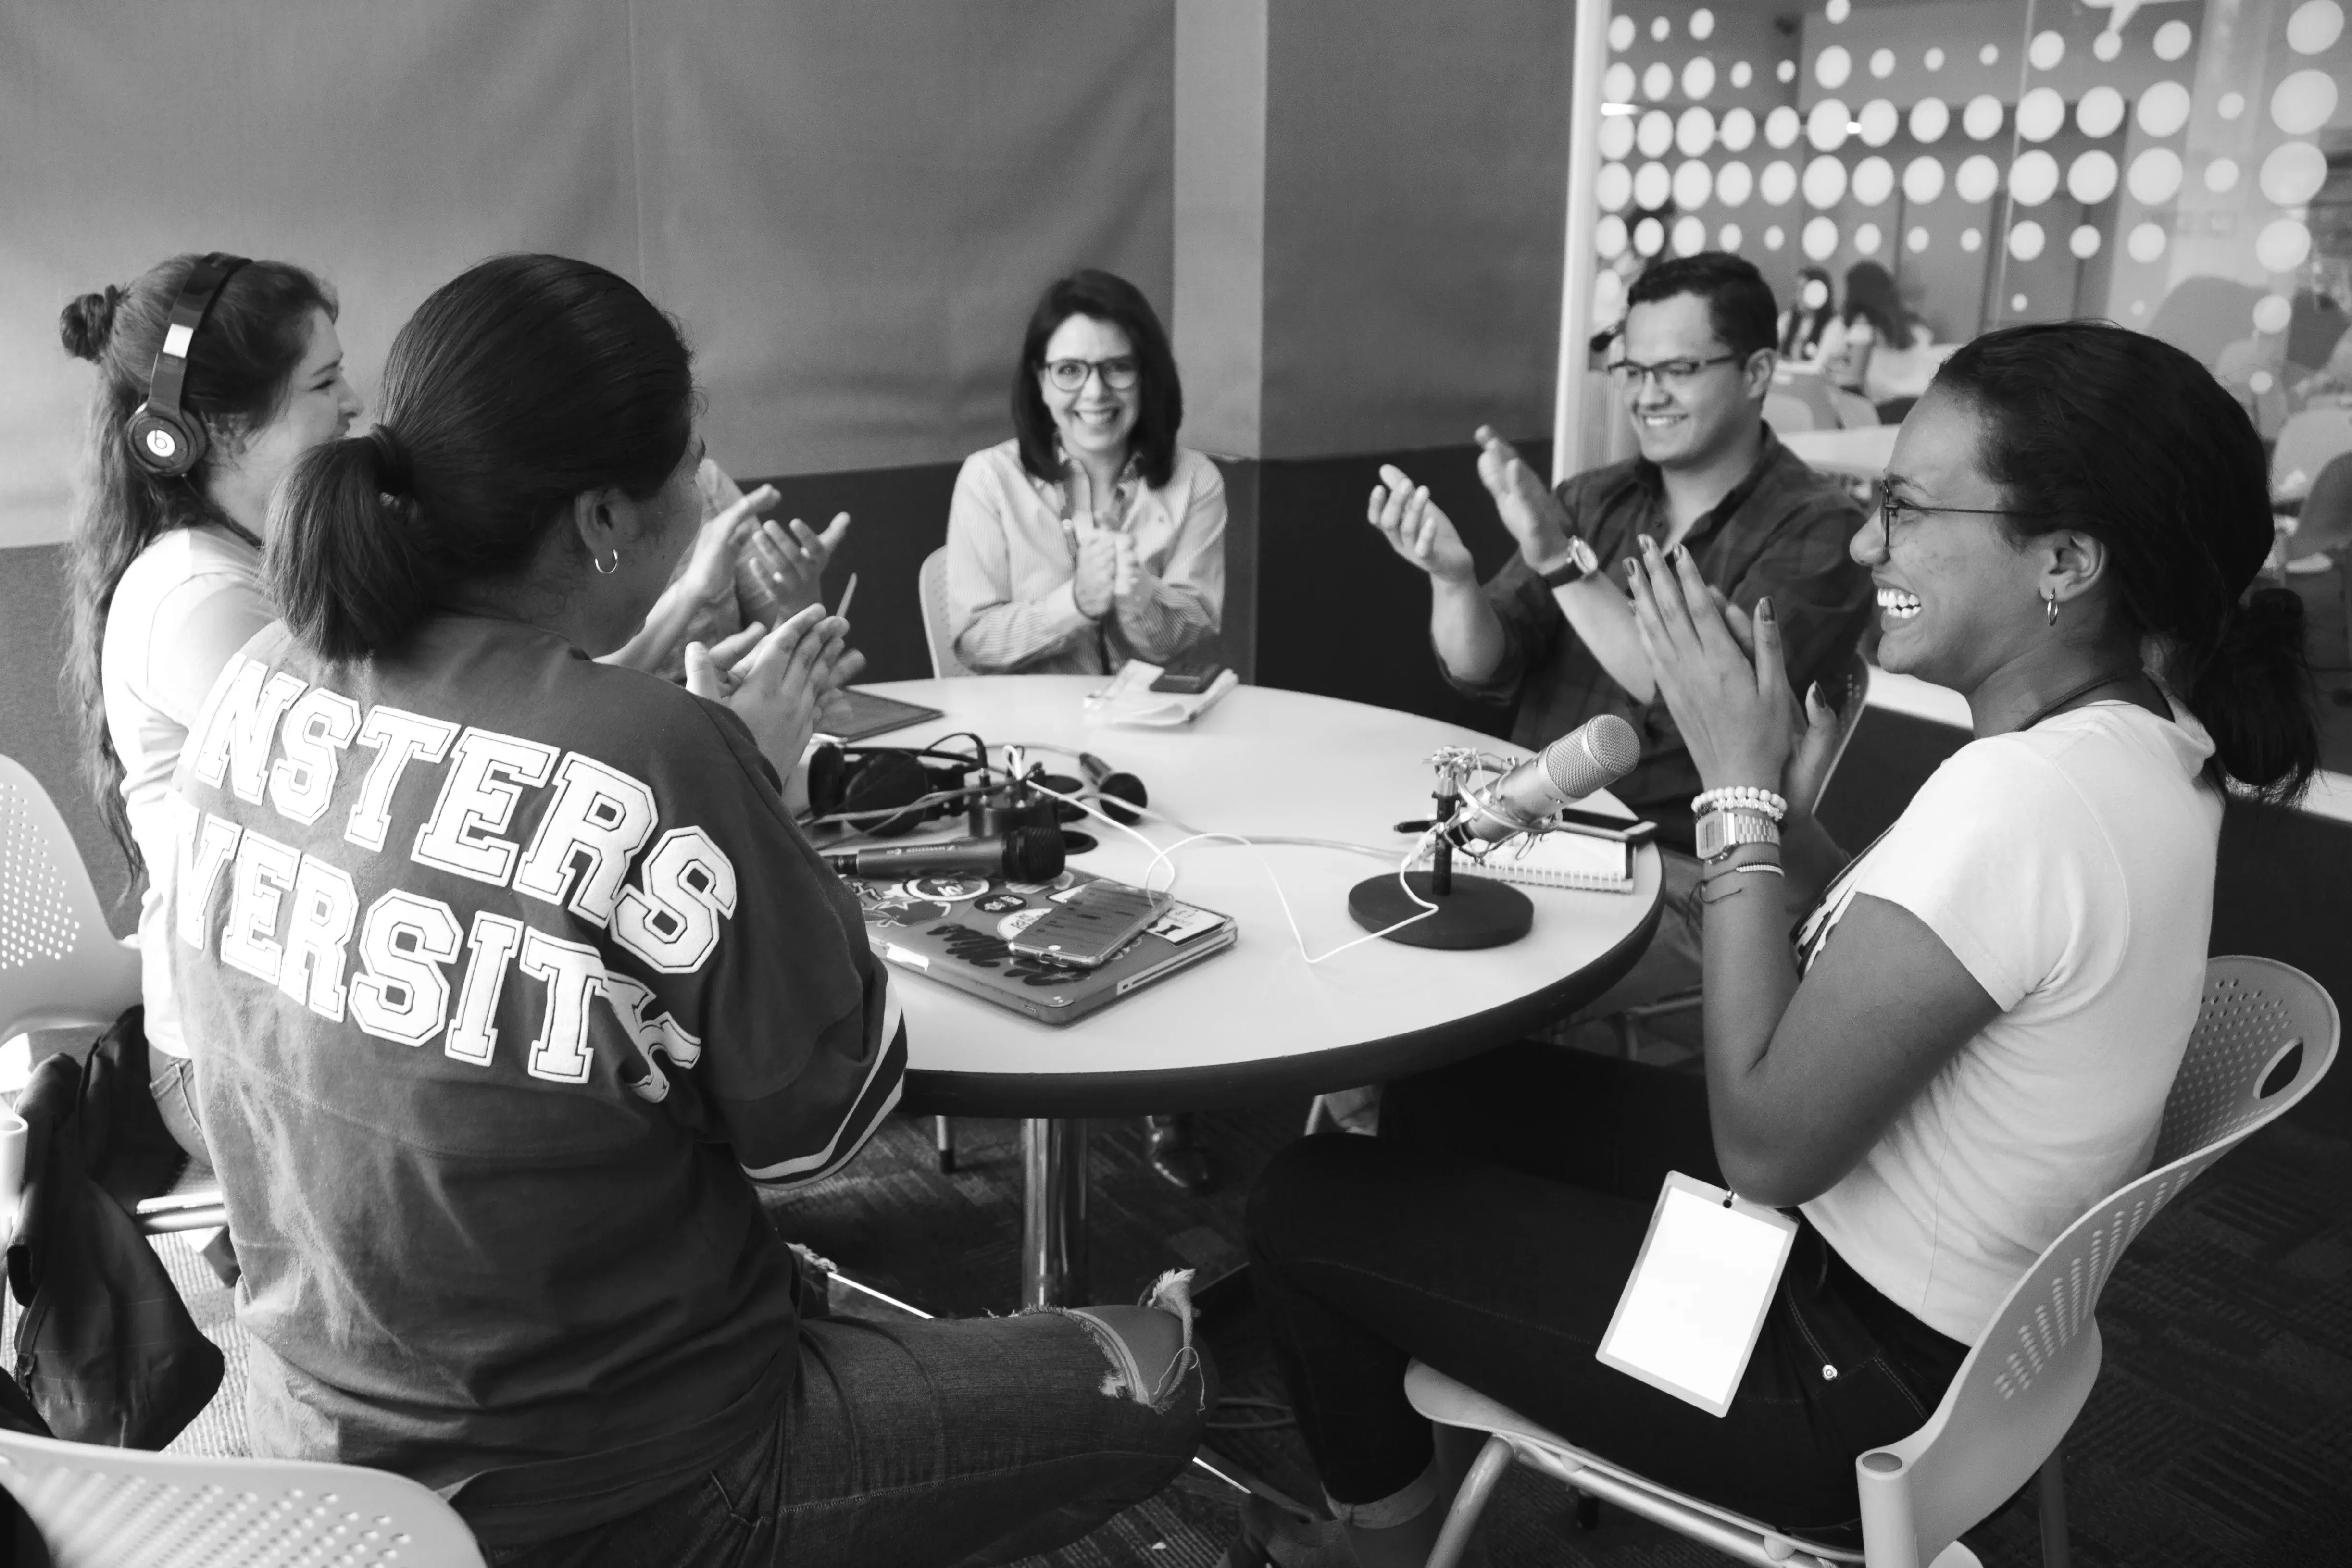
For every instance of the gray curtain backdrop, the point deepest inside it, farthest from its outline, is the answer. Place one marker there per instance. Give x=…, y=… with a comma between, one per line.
x=850, y=203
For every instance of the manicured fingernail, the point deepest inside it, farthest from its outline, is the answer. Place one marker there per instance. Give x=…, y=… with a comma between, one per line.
x=1632, y=568
x=1813, y=696
x=1764, y=609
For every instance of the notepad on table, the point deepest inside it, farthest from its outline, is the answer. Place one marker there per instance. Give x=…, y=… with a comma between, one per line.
x=1553, y=860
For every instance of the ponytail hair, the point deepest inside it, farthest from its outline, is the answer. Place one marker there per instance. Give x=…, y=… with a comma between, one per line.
x=2122, y=437
x=240, y=371
x=523, y=382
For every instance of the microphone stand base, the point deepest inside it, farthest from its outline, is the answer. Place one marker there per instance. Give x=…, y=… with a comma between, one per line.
x=1479, y=912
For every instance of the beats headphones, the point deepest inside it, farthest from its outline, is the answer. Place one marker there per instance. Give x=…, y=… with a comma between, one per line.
x=854, y=778
x=164, y=440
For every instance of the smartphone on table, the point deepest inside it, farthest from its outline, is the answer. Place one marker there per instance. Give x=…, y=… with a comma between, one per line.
x=1094, y=922
x=1188, y=683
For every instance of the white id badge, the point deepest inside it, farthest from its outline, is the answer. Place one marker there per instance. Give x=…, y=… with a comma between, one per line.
x=1690, y=1315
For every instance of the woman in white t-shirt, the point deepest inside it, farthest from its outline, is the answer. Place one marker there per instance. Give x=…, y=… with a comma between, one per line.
x=167, y=570
x=1975, y=1038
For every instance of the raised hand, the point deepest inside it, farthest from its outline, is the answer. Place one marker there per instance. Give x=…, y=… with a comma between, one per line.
x=1734, y=711
x=778, y=687
x=1097, y=580
x=1529, y=510
x=1417, y=529
x=705, y=585
x=1127, y=571
x=784, y=570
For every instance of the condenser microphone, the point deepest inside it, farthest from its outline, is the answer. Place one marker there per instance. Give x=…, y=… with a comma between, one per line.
x=1022, y=854
x=1593, y=757
x=1112, y=787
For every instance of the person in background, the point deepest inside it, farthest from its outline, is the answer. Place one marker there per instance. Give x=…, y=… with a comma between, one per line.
x=1553, y=633
x=1092, y=537
x=166, y=569
x=1876, y=346
x=1974, y=1037
x=512, y=983
x=1807, y=318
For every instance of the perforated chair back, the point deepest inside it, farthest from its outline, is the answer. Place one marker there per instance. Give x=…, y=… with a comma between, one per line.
x=122, y=1508
x=2026, y=1378
x=2029, y=1373
x=59, y=965
x=931, y=589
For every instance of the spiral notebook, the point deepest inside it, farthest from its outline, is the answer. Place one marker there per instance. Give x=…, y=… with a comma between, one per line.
x=1553, y=860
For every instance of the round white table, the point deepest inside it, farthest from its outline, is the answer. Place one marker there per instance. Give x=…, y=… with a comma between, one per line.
x=1258, y=1018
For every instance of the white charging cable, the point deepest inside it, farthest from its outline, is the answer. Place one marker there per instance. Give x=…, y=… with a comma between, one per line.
x=1160, y=855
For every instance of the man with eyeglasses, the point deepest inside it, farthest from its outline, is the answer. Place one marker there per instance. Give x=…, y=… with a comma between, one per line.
x=1553, y=631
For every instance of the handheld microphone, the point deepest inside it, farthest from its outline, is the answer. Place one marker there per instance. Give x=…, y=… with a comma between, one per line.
x=1112, y=787
x=1022, y=854
x=1591, y=756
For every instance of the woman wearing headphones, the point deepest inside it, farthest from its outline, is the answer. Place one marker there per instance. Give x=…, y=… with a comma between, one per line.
x=512, y=982
x=166, y=544
x=186, y=449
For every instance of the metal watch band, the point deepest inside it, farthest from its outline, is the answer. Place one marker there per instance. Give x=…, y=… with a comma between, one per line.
x=1723, y=830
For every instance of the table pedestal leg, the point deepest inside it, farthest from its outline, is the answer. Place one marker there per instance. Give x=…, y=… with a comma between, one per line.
x=1053, y=1212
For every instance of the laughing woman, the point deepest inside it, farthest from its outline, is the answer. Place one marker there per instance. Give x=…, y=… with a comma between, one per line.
x=1975, y=1037
x=1090, y=538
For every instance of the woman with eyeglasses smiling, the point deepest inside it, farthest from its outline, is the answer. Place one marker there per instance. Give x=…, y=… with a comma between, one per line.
x=1091, y=538
x=1974, y=1037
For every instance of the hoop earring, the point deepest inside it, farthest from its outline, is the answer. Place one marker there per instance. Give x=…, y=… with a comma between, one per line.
x=2049, y=598
x=603, y=571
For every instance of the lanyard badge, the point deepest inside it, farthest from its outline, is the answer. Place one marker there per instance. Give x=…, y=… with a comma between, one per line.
x=1692, y=1312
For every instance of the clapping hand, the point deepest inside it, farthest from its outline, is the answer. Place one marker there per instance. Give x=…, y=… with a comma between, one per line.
x=1724, y=679
x=705, y=585
x=1417, y=529
x=1530, y=511
x=1096, y=581
x=776, y=682
x=785, y=565
x=1127, y=572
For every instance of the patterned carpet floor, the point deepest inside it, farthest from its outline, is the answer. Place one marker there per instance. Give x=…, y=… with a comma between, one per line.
x=2220, y=1432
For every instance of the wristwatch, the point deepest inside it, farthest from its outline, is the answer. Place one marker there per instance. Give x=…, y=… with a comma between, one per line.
x=1725, y=828
x=1580, y=563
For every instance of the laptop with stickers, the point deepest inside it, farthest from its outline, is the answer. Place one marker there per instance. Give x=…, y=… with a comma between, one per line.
x=958, y=930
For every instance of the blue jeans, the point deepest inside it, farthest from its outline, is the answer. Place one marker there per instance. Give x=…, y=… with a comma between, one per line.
x=172, y=1081
x=976, y=1440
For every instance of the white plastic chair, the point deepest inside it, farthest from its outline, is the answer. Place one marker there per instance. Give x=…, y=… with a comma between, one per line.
x=60, y=966
x=122, y=1508
x=2009, y=1408
x=931, y=589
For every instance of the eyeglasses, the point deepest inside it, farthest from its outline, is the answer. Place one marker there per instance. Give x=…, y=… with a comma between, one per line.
x=1069, y=375
x=1673, y=374
x=1893, y=508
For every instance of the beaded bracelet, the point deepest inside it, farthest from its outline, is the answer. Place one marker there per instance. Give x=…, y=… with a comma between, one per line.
x=1744, y=796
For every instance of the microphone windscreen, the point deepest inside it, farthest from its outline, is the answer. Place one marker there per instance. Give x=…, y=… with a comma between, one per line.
x=1033, y=854
x=1592, y=757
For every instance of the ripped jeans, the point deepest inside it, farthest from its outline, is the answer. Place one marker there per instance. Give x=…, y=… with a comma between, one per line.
x=975, y=1440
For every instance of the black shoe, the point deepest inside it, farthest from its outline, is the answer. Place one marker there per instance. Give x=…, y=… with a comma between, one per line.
x=1179, y=1163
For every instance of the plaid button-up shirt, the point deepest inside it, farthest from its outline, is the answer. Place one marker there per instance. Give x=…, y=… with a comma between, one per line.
x=1783, y=530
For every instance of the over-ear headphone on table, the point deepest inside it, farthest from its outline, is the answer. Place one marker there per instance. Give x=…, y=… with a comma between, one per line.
x=164, y=440
x=850, y=780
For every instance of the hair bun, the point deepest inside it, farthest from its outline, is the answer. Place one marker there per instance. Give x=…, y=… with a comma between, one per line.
x=394, y=475
x=87, y=323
